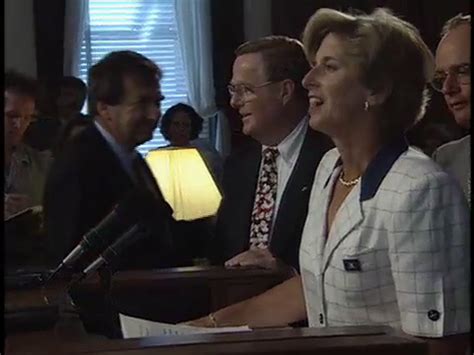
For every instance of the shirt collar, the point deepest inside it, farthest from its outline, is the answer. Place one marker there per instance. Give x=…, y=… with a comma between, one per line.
x=289, y=147
x=378, y=167
x=118, y=149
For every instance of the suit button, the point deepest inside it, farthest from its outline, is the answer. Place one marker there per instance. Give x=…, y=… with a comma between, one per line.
x=321, y=318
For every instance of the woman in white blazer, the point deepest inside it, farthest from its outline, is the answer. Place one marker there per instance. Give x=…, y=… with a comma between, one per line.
x=386, y=240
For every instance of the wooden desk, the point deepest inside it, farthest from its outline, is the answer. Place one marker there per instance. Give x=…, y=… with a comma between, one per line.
x=166, y=295
x=69, y=336
x=178, y=294
x=334, y=341
x=221, y=286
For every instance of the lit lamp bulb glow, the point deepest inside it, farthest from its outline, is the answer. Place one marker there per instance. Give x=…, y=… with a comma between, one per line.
x=185, y=181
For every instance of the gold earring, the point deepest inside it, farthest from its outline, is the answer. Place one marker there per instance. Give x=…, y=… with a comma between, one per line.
x=366, y=105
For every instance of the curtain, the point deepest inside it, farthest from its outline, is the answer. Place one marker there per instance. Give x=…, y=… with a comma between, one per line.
x=75, y=23
x=193, y=19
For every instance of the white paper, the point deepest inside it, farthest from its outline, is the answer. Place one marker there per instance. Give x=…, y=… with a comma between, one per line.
x=33, y=210
x=138, y=328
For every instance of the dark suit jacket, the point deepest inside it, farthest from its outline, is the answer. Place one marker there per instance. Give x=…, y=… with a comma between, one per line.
x=43, y=133
x=239, y=185
x=85, y=182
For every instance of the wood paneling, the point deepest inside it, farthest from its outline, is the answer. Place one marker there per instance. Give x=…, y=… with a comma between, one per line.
x=49, y=37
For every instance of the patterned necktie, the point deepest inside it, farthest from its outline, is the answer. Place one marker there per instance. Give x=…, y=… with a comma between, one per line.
x=264, y=203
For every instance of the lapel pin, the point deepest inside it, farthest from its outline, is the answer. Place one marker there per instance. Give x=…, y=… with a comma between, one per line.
x=351, y=265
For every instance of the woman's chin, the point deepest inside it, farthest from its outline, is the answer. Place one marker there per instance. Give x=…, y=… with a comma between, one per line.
x=315, y=121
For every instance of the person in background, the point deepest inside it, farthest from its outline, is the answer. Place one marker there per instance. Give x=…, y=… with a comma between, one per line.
x=60, y=102
x=266, y=186
x=453, y=79
x=386, y=240
x=45, y=126
x=71, y=98
x=70, y=130
x=428, y=135
x=181, y=126
x=25, y=167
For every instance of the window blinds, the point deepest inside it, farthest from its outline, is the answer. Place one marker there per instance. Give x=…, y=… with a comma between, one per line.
x=147, y=27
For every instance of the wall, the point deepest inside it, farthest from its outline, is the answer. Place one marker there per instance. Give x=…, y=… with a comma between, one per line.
x=19, y=36
x=257, y=18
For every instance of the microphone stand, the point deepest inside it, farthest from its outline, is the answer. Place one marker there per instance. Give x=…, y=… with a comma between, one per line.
x=55, y=293
x=108, y=319
x=105, y=276
x=104, y=265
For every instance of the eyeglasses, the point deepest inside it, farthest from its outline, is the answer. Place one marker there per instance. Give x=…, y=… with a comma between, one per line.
x=461, y=72
x=246, y=90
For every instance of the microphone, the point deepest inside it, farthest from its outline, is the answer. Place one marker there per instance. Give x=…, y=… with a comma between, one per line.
x=110, y=255
x=128, y=211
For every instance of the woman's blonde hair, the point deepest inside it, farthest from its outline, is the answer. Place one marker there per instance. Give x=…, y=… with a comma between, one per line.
x=390, y=53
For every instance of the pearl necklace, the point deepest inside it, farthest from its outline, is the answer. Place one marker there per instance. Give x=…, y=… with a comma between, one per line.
x=348, y=183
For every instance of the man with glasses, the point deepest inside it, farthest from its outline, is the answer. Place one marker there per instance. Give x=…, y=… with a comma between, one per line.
x=453, y=79
x=25, y=167
x=266, y=187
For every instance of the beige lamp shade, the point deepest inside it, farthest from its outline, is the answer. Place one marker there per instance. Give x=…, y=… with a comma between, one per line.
x=185, y=181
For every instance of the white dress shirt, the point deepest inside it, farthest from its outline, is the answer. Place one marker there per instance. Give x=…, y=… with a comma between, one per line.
x=398, y=250
x=289, y=151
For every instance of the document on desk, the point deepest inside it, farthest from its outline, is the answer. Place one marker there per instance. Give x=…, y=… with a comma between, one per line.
x=20, y=215
x=138, y=328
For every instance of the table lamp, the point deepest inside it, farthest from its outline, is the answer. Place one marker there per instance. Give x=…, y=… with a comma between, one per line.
x=185, y=181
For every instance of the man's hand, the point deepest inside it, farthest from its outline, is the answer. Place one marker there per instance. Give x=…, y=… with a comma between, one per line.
x=254, y=257
x=14, y=203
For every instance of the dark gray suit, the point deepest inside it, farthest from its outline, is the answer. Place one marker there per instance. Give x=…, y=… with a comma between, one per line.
x=239, y=184
x=85, y=182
